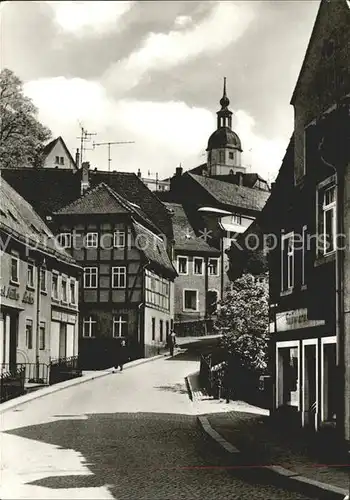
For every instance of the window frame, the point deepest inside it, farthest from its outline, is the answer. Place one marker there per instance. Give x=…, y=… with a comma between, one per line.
x=65, y=240
x=31, y=286
x=90, y=275
x=326, y=208
x=120, y=325
x=115, y=275
x=303, y=257
x=42, y=339
x=43, y=272
x=91, y=239
x=73, y=282
x=210, y=267
x=194, y=266
x=184, y=308
x=64, y=281
x=289, y=287
x=14, y=281
x=178, y=265
x=118, y=233
x=29, y=338
x=91, y=321
x=55, y=274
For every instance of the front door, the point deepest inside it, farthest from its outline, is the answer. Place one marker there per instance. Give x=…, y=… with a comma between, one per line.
x=63, y=340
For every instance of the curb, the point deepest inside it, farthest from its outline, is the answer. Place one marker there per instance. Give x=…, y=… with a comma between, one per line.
x=292, y=478
x=189, y=387
x=26, y=398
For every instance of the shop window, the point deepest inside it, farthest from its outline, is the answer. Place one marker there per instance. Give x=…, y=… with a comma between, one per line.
x=288, y=376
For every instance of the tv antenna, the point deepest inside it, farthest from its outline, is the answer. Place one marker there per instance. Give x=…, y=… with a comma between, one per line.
x=109, y=148
x=84, y=138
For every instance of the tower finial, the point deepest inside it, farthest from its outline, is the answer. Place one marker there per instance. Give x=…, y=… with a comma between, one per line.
x=224, y=101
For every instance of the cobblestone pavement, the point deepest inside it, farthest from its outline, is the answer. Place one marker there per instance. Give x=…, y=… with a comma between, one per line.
x=264, y=443
x=130, y=435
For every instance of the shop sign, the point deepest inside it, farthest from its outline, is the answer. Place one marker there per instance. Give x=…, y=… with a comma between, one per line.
x=293, y=320
x=63, y=317
x=9, y=292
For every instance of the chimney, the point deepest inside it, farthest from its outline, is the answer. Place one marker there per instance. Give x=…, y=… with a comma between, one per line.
x=178, y=171
x=85, y=184
x=240, y=178
x=77, y=158
x=139, y=173
x=272, y=185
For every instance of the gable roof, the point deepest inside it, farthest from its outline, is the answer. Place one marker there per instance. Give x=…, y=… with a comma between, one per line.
x=183, y=228
x=49, y=147
x=18, y=217
x=103, y=200
x=154, y=250
x=131, y=187
x=49, y=189
x=231, y=194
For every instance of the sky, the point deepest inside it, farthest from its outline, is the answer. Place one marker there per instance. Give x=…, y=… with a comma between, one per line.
x=152, y=73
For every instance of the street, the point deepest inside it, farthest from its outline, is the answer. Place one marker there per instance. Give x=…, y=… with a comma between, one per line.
x=124, y=436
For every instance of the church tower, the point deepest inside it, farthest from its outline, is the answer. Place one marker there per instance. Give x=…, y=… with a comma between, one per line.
x=224, y=146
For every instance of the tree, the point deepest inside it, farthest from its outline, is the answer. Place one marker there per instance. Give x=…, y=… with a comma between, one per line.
x=243, y=322
x=22, y=136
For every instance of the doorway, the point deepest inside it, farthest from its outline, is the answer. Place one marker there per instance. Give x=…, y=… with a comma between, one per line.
x=310, y=387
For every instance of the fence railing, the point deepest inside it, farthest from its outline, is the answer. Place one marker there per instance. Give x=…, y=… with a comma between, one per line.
x=33, y=372
x=11, y=383
x=64, y=369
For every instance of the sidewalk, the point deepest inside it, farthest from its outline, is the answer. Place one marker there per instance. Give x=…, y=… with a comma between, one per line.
x=262, y=442
x=86, y=377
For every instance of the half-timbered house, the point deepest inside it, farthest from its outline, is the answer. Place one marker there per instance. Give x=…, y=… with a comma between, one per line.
x=127, y=283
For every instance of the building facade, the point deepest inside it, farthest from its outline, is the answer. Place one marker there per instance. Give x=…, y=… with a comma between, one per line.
x=308, y=216
x=39, y=291
x=127, y=283
x=57, y=155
